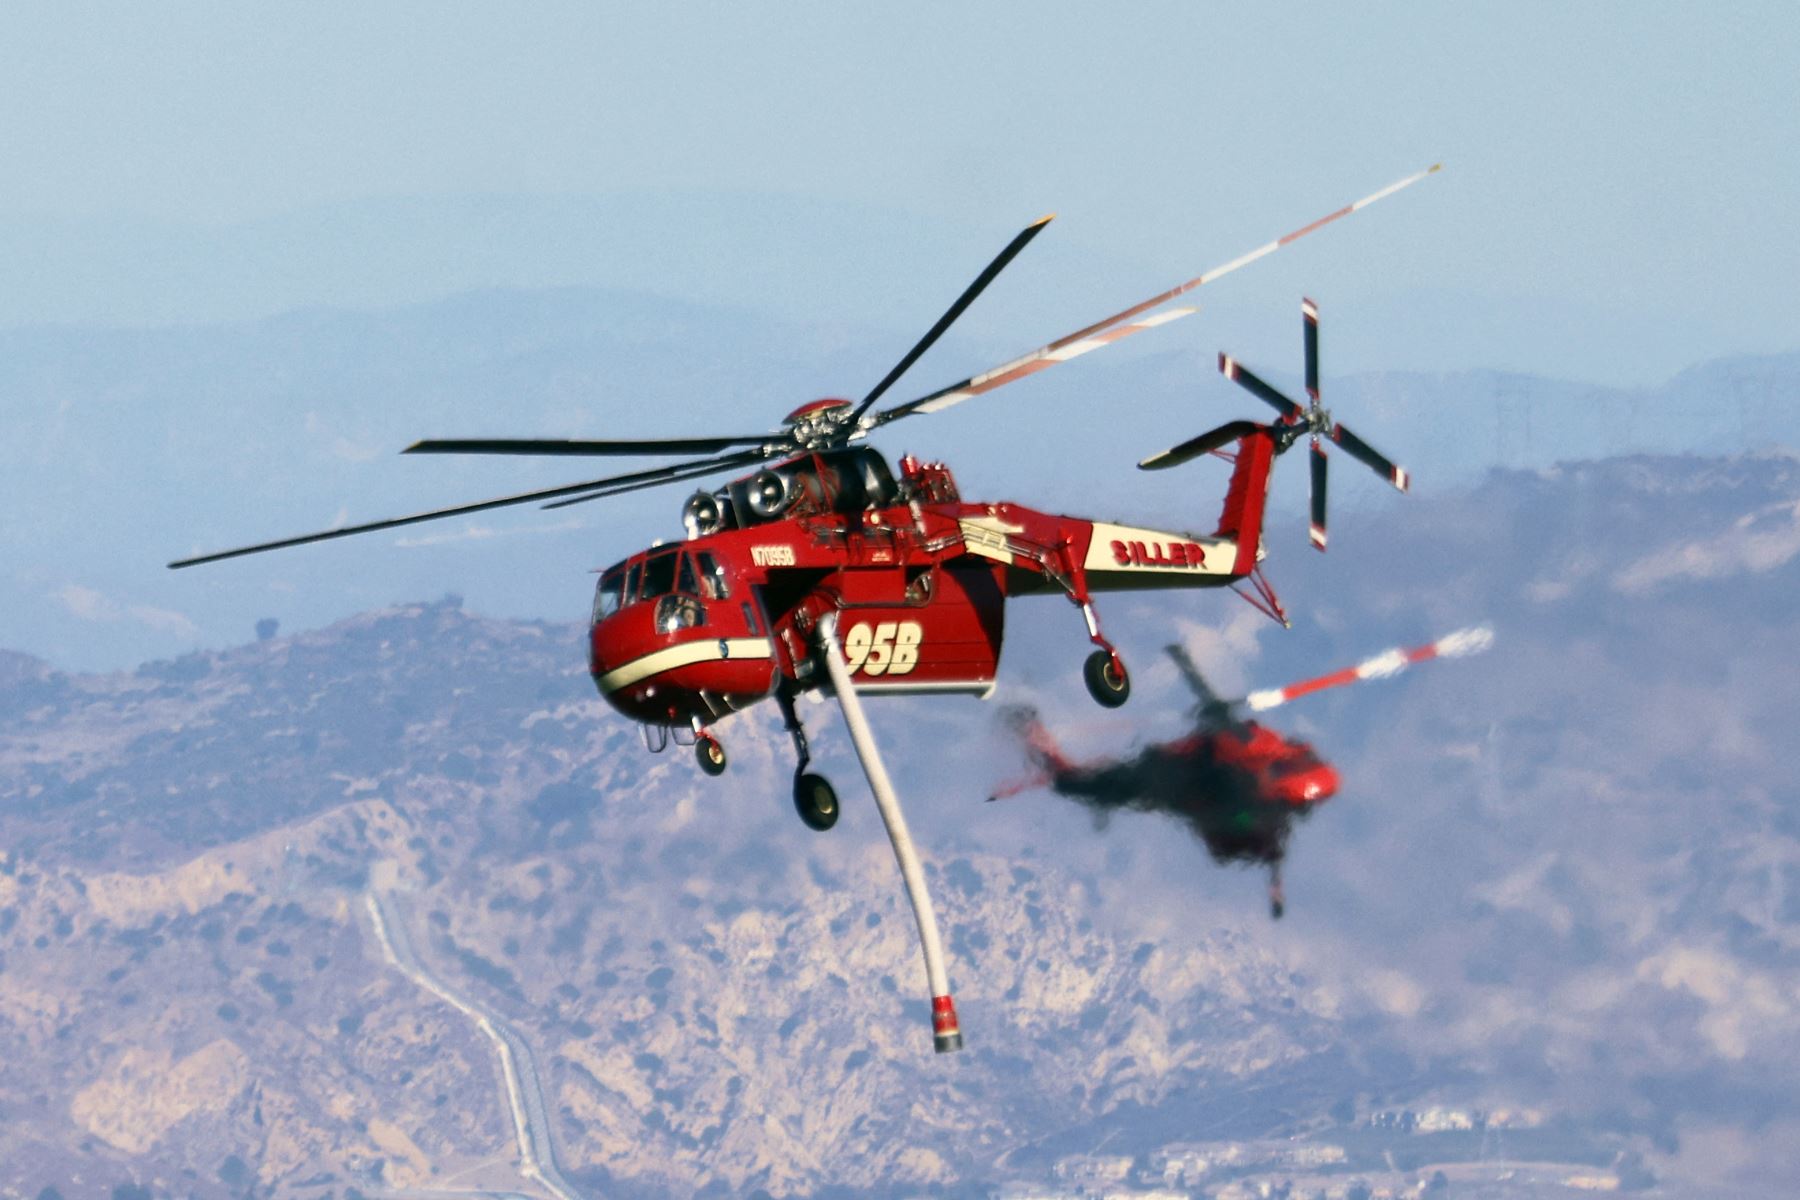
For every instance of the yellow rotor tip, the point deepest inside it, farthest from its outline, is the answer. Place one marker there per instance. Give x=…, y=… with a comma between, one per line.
x=1435, y=167
x=1043, y=220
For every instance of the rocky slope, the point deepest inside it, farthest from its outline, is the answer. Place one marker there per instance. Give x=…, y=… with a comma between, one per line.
x=1558, y=875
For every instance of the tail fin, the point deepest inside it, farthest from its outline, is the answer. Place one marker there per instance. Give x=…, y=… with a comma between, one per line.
x=1241, y=519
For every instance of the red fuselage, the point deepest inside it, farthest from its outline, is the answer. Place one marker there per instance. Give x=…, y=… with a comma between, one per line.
x=686, y=633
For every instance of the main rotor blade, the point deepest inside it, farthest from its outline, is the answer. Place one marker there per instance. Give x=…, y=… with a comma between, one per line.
x=1371, y=457
x=614, y=489
x=1456, y=645
x=645, y=478
x=1191, y=674
x=1085, y=339
x=1061, y=350
x=1241, y=375
x=1309, y=316
x=963, y=301
x=1319, y=465
x=546, y=446
x=1193, y=448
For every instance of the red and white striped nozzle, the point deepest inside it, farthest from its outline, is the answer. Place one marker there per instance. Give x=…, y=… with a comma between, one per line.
x=946, y=1033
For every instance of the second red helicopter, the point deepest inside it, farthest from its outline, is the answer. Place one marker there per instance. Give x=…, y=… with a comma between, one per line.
x=1240, y=785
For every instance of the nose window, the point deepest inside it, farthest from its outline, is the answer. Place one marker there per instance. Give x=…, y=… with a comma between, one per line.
x=607, y=594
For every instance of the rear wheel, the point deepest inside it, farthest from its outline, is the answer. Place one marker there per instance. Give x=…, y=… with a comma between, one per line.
x=816, y=802
x=1106, y=679
x=711, y=754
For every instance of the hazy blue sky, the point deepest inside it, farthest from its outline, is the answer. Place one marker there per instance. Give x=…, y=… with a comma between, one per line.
x=1622, y=174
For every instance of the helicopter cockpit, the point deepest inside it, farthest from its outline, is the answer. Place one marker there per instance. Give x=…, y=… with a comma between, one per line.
x=679, y=582
x=849, y=480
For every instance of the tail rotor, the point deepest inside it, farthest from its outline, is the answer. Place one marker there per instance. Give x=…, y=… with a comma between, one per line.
x=1314, y=420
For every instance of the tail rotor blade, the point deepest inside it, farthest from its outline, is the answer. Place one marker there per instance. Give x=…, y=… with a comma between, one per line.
x=1309, y=315
x=1319, y=465
x=1241, y=375
x=1360, y=450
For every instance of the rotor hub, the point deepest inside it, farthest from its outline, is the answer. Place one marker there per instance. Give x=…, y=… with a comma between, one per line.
x=820, y=424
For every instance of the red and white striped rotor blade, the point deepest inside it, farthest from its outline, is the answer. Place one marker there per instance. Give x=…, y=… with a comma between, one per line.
x=1088, y=338
x=1456, y=645
x=1061, y=350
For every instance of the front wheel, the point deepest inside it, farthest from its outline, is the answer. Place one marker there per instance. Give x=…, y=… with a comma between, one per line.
x=711, y=755
x=1106, y=679
x=816, y=802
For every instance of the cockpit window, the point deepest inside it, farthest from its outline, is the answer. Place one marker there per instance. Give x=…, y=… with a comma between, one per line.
x=713, y=585
x=659, y=574
x=606, y=595
x=632, y=579
x=684, y=578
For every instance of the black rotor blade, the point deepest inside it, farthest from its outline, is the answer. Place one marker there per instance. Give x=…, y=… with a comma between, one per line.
x=721, y=464
x=1209, y=709
x=1193, y=448
x=1319, y=466
x=546, y=446
x=954, y=311
x=1309, y=316
x=1191, y=673
x=645, y=478
x=1358, y=449
x=1239, y=374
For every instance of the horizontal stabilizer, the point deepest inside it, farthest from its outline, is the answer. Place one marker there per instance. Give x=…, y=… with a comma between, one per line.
x=1193, y=448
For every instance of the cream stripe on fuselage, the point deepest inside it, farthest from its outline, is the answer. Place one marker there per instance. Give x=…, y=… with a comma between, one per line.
x=686, y=654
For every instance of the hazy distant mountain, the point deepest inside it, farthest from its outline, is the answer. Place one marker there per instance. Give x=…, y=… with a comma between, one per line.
x=1560, y=877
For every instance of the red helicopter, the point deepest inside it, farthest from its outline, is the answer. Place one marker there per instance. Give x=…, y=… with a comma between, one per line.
x=823, y=567
x=1240, y=785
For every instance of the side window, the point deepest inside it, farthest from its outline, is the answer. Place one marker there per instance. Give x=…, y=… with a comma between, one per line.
x=713, y=584
x=606, y=595
x=659, y=574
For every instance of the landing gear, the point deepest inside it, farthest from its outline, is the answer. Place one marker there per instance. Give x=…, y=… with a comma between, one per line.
x=1106, y=679
x=710, y=753
x=814, y=798
x=1104, y=670
x=815, y=801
